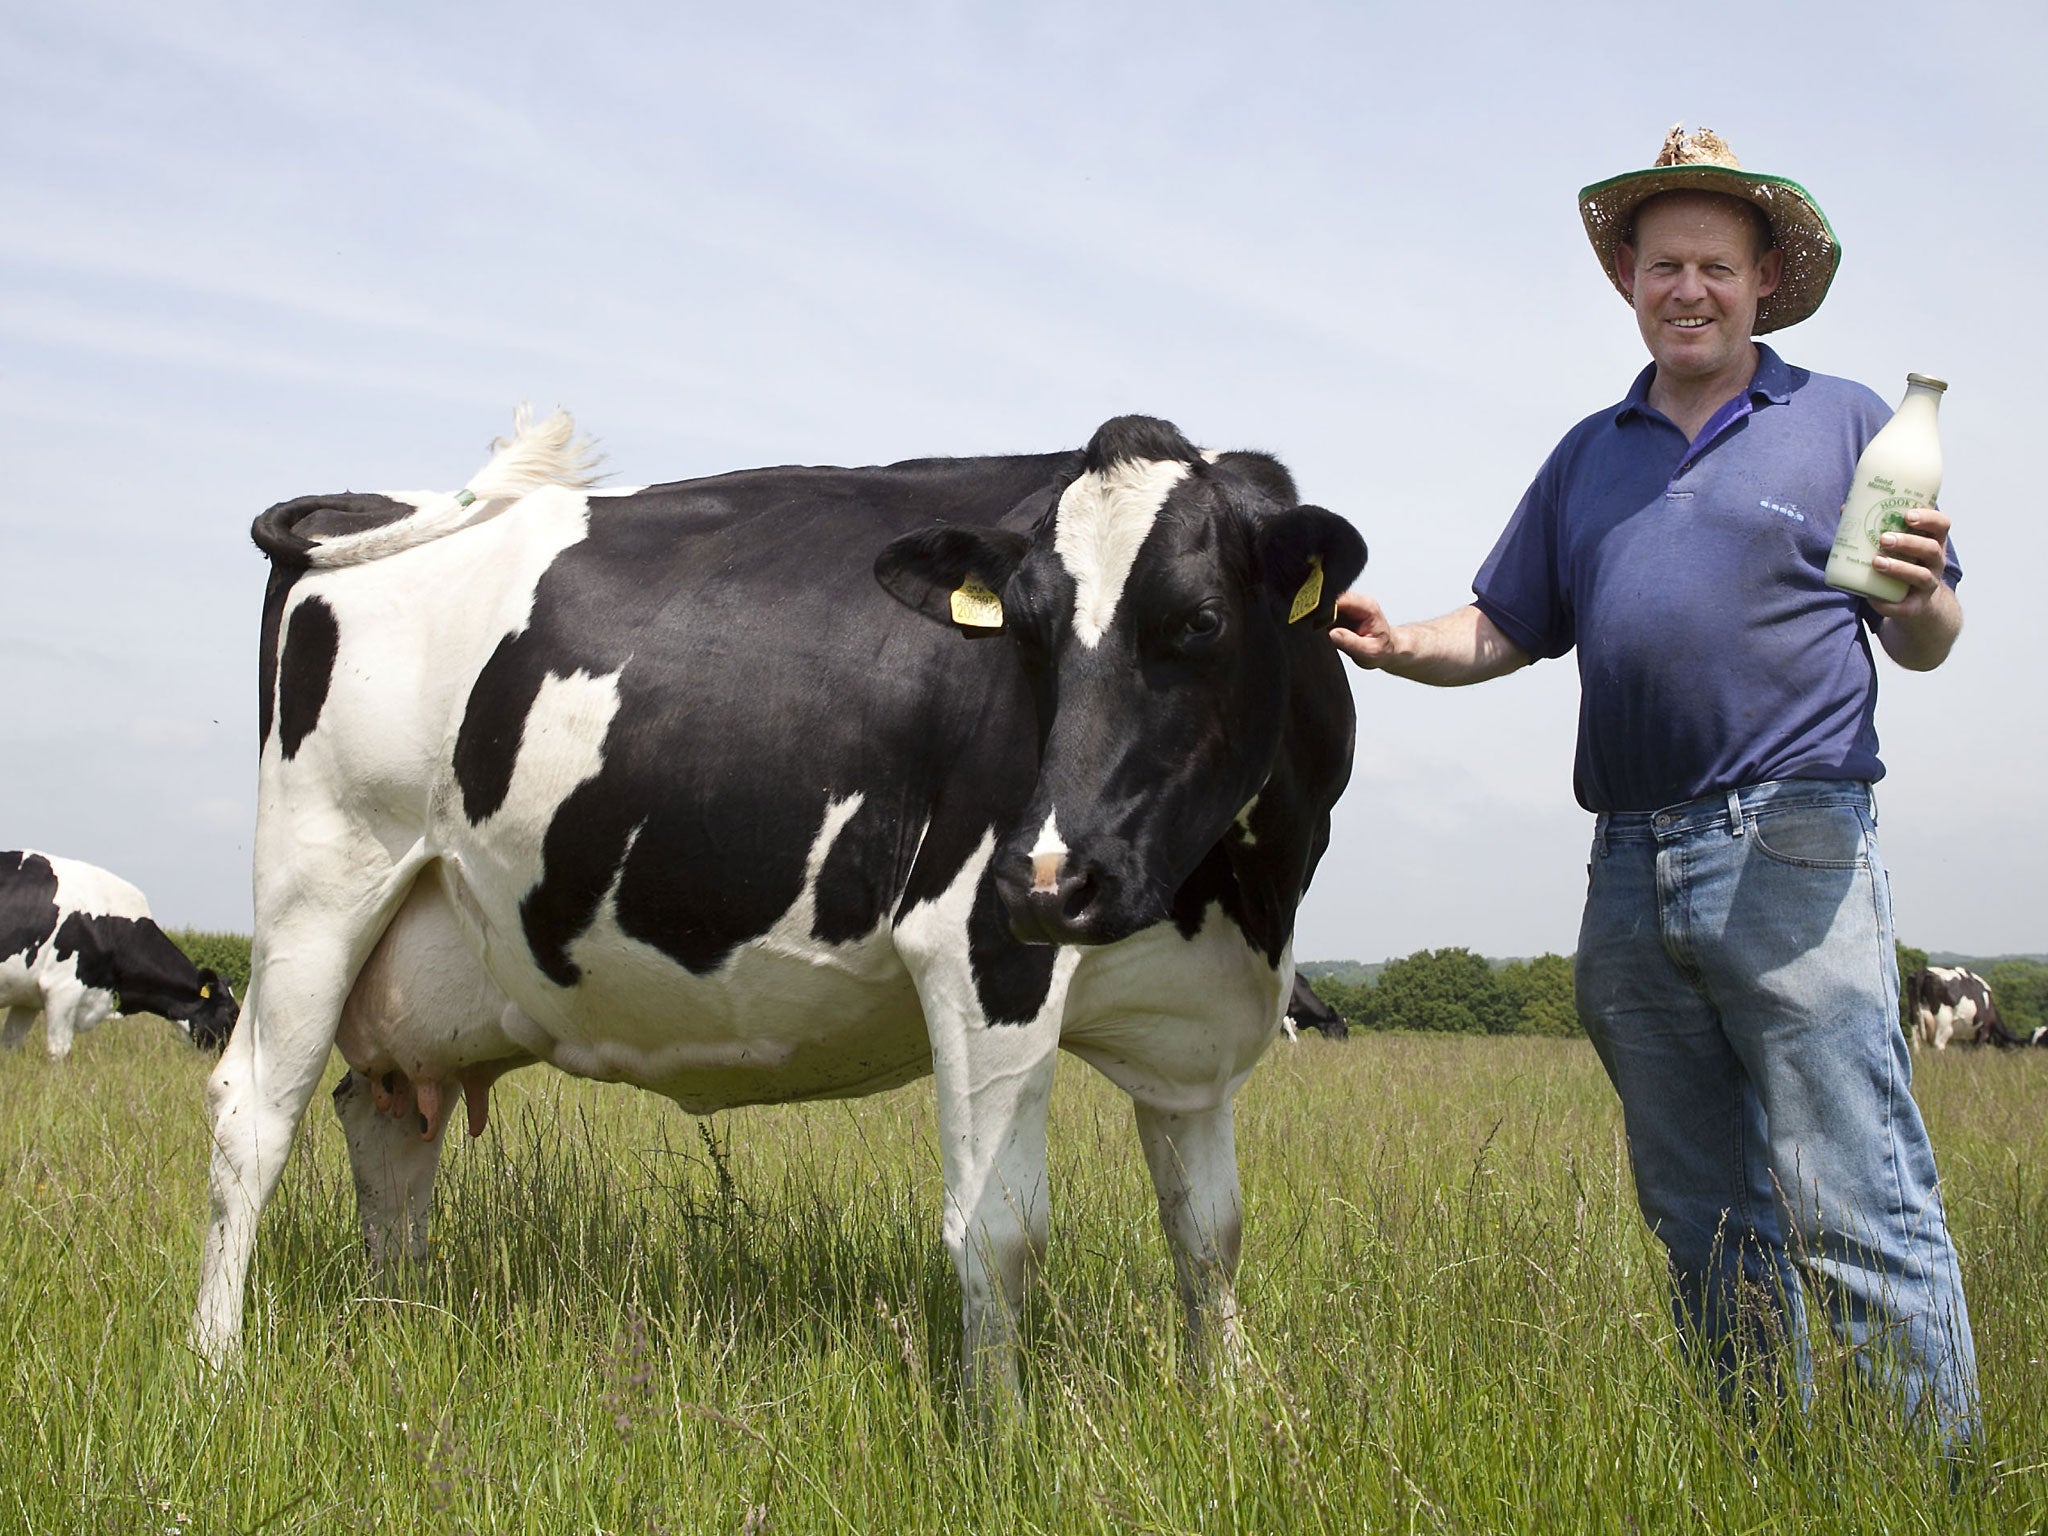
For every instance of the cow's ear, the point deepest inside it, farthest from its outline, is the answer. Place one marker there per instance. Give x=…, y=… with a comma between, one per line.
x=209, y=981
x=1307, y=556
x=953, y=575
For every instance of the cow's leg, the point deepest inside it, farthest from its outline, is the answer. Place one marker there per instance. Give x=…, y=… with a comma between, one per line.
x=1193, y=1158
x=15, y=1030
x=993, y=1084
x=258, y=1094
x=70, y=1010
x=1178, y=1024
x=1944, y=1026
x=394, y=1167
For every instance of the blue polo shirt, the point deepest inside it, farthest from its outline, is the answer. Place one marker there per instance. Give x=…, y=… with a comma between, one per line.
x=1688, y=577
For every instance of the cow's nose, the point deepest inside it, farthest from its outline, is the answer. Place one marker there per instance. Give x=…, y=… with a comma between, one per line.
x=1059, y=909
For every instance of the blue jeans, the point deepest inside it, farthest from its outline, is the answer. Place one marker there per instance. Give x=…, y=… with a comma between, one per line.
x=1736, y=974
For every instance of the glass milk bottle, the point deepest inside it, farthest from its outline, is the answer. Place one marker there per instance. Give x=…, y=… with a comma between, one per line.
x=1900, y=468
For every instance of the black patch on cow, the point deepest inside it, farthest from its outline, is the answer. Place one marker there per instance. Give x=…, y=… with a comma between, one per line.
x=1011, y=980
x=28, y=903
x=853, y=895
x=134, y=958
x=290, y=531
x=306, y=671
x=762, y=676
x=487, y=744
x=1139, y=439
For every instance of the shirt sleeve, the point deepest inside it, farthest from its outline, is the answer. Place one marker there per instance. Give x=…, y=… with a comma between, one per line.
x=1521, y=587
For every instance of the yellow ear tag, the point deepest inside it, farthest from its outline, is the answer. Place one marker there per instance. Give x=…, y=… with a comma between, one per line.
x=206, y=991
x=1310, y=597
x=975, y=607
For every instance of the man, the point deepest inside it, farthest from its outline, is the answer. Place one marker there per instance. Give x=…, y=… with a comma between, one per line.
x=1735, y=967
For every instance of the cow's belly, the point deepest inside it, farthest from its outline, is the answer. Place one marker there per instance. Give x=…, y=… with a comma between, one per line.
x=18, y=988
x=783, y=1018
x=777, y=1022
x=1176, y=1023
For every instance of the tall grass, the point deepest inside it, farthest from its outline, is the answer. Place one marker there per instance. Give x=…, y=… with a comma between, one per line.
x=635, y=1322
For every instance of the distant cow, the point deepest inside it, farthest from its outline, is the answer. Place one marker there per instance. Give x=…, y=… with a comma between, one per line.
x=785, y=784
x=1956, y=1004
x=1305, y=1010
x=77, y=942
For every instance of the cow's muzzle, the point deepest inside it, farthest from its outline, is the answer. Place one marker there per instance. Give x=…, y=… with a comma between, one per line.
x=1058, y=899
x=1063, y=912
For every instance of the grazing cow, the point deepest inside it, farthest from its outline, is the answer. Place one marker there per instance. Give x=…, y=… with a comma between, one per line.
x=1950, y=1003
x=77, y=942
x=788, y=784
x=1305, y=1010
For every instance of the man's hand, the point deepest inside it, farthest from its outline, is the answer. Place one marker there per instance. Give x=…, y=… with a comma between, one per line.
x=1362, y=631
x=1461, y=647
x=1920, y=627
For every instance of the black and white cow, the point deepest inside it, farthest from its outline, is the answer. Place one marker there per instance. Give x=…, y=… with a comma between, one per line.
x=1950, y=1003
x=1306, y=1010
x=661, y=786
x=76, y=943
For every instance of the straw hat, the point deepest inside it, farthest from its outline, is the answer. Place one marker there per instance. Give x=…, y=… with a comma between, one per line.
x=1703, y=162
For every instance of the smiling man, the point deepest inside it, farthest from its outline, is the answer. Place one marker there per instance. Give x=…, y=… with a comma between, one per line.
x=1735, y=967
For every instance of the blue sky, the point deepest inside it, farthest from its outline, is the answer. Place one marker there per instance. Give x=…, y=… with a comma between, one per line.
x=251, y=252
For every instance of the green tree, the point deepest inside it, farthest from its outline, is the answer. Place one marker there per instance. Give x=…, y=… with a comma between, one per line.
x=1910, y=960
x=1542, y=990
x=226, y=953
x=2020, y=988
x=1448, y=990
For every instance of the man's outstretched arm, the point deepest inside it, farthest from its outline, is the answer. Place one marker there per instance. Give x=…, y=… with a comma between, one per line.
x=1463, y=646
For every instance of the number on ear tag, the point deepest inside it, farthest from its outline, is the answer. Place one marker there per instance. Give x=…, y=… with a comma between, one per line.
x=975, y=607
x=1310, y=597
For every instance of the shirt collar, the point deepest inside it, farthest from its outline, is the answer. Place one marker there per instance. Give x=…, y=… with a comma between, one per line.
x=1772, y=381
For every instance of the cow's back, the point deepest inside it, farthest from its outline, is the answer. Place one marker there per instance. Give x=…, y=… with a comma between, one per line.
x=675, y=757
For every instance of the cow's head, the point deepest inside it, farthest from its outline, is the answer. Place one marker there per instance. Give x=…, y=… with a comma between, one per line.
x=1160, y=607
x=212, y=1020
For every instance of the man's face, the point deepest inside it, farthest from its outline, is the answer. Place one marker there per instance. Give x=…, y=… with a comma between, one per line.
x=1694, y=274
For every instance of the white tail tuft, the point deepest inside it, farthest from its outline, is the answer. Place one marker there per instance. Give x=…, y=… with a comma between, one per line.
x=549, y=453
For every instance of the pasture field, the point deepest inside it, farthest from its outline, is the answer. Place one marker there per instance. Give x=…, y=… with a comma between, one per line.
x=639, y=1323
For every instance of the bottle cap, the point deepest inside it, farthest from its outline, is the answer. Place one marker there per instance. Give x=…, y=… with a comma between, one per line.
x=1927, y=381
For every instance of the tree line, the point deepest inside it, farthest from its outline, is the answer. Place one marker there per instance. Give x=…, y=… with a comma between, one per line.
x=1446, y=991
x=1454, y=991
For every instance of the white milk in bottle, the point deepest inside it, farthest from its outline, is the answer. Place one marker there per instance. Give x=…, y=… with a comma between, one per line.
x=1900, y=468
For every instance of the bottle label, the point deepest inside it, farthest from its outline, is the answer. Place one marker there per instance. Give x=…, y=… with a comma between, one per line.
x=1887, y=516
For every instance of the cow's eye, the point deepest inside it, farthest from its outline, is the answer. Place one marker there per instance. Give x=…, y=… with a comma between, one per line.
x=1201, y=626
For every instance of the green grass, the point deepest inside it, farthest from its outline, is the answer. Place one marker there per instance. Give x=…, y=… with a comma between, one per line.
x=635, y=1322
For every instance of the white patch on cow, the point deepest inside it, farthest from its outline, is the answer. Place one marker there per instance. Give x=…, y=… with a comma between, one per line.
x=407, y=658
x=1047, y=855
x=1102, y=521
x=561, y=747
x=1177, y=1023
x=785, y=1016
x=37, y=980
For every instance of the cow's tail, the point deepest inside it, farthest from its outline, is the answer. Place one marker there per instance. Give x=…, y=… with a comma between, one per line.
x=354, y=529
x=536, y=454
